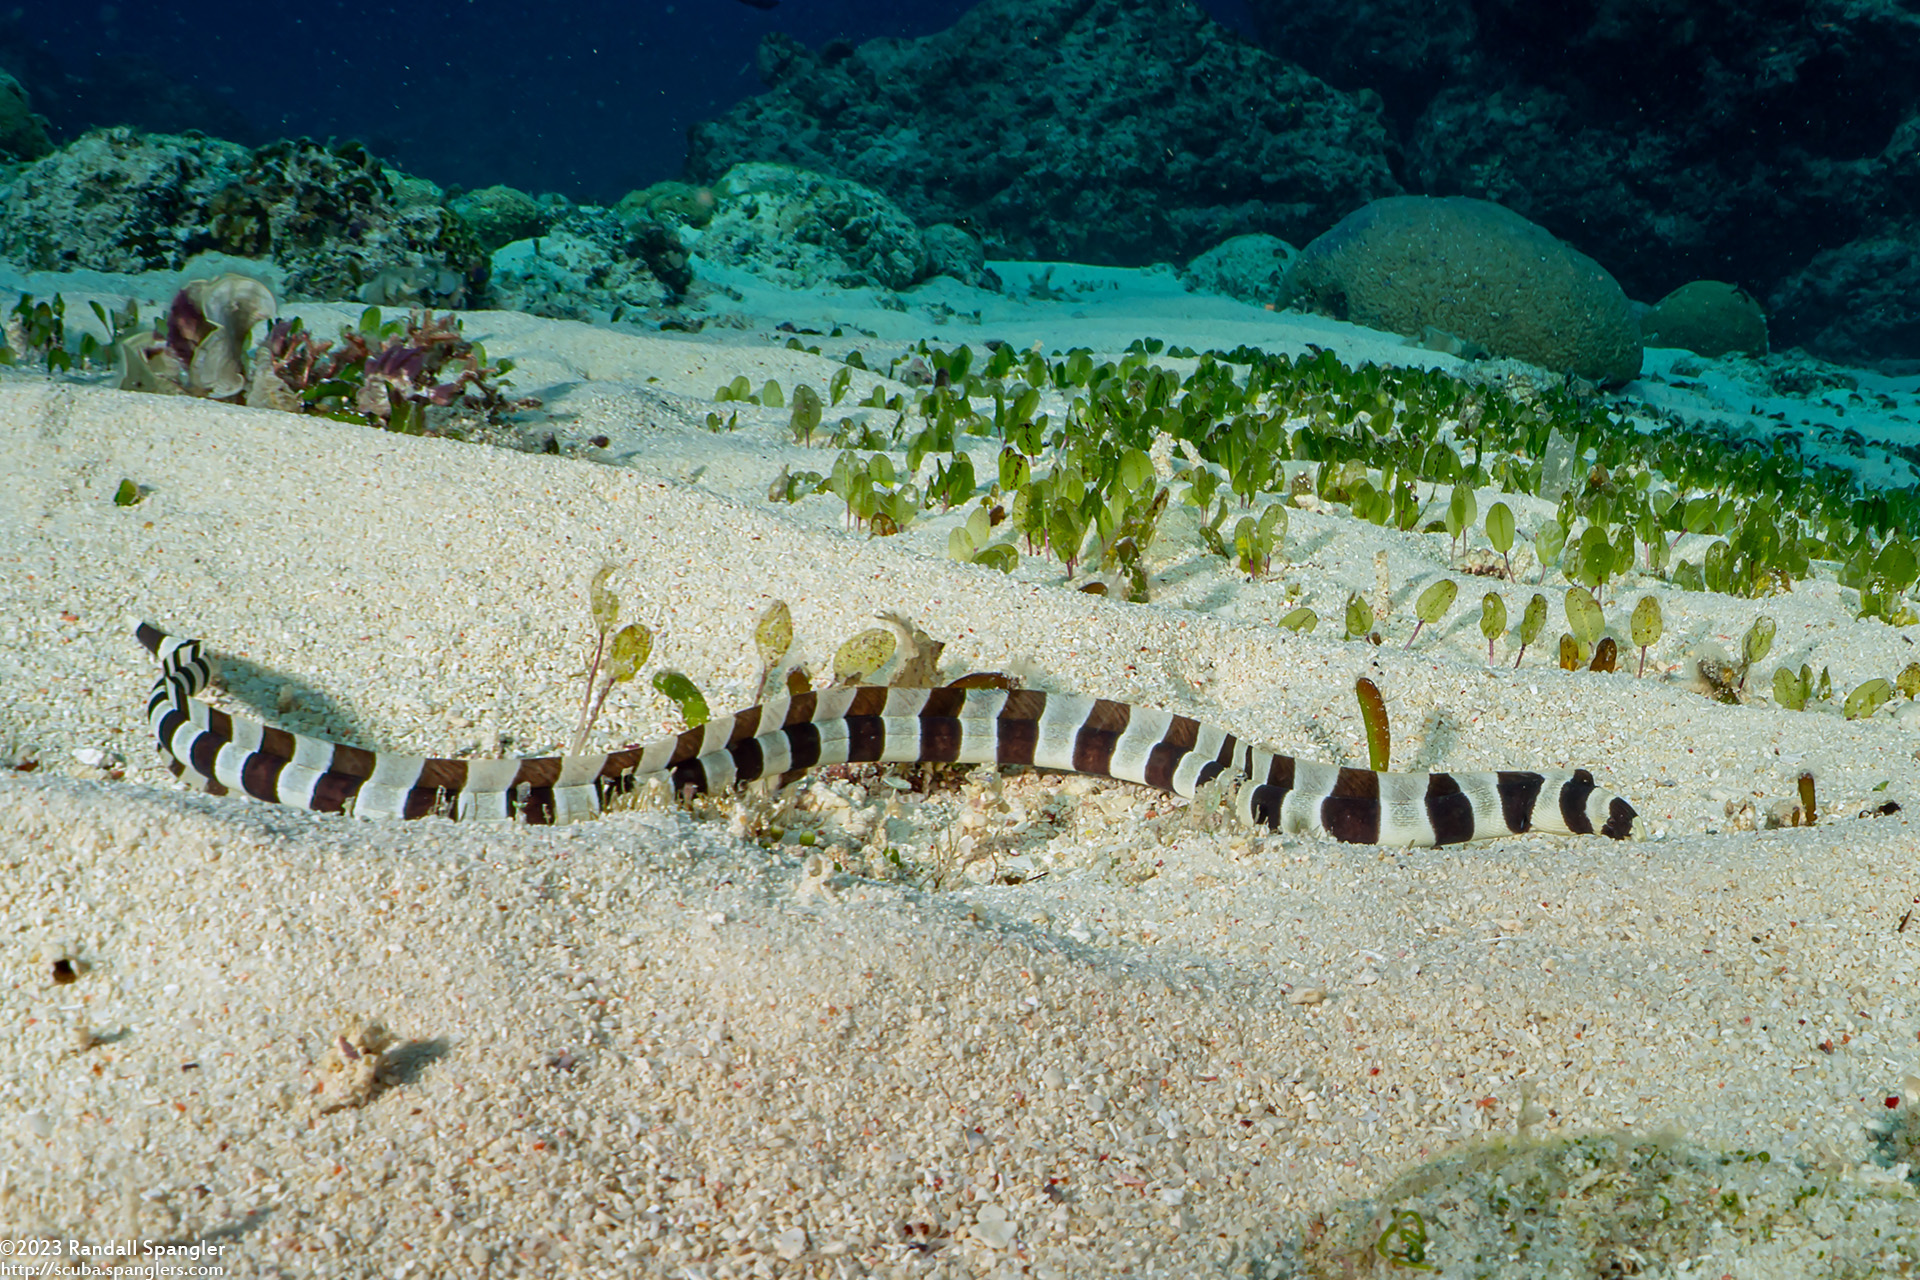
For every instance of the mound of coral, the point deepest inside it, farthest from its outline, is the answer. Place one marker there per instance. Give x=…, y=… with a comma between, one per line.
x=1708, y=317
x=591, y=265
x=336, y=222
x=1252, y=268
x=115, y=200
x=500, y=215
x=797, y=229
x=802, y=229
x=1478, y=272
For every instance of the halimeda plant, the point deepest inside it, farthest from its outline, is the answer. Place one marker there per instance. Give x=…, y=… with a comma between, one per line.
x=1700, y=507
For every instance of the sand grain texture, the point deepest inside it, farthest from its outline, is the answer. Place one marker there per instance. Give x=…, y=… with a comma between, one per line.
x=646, y=1046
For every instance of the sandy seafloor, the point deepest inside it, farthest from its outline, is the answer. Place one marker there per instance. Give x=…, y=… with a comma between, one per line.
x=1117, y=1040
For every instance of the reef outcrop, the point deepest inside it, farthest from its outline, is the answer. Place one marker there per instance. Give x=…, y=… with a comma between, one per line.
x=333, y=219
x=1108, y=131
x=1776, y=146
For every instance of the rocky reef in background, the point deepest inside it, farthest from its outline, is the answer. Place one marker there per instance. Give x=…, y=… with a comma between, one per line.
x=333, y=220
x=23, y=132
x=1111, y=131
x=1775, y=154
x=1774, y=146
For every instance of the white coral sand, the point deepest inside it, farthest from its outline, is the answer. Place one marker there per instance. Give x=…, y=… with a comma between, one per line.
x=648, y=1045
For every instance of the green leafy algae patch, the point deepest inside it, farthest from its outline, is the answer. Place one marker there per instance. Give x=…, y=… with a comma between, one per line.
x=1618, y=1204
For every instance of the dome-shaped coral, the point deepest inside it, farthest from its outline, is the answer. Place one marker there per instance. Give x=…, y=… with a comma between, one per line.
x=1708, y=317
x=1476, y=271
x=807, y=229
x=669, y=204
x=1252, y=268
x=500, y=215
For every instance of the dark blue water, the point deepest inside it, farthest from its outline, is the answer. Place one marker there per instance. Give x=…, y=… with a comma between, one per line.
x=591, y=99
